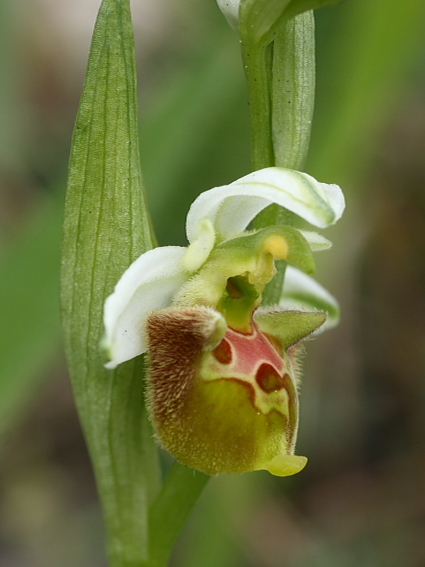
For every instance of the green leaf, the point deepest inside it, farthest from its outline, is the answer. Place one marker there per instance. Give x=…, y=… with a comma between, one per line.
x=258, y=70
x=293, y=85
x=106, y=227
x=281, y=85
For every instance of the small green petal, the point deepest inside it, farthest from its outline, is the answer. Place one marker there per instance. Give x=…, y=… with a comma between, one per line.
x=289, y=327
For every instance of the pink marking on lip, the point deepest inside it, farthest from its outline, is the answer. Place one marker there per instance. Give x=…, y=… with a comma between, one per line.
x=252, y=350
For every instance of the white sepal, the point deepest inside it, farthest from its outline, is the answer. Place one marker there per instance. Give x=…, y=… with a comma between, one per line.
x=232, y=207
x=148, y=284
x=230, y=9
x=302, y=291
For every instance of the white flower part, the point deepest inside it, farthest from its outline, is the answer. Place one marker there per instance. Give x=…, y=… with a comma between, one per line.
x=230, y=9
x=153, y=280
x=302, y=291
x=198, y=252
x=232, y=207
x=317, y=242
x=148, y=284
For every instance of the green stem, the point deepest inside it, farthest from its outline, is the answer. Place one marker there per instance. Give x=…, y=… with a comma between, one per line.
x=257, y=63
x=171, y=509
x=281, y=96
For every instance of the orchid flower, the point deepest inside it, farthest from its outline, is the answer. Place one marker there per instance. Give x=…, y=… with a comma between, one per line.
x=222, y=383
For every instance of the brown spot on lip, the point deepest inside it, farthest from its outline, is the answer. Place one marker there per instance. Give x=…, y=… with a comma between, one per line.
x=223, y=352
x=269, y=379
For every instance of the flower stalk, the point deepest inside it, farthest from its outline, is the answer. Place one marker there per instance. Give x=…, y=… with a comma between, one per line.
x=279, y=65
x=280, y=70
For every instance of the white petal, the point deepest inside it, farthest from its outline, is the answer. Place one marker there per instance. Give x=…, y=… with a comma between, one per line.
x=302, y=291
x=198, y=252
x=317, y=242
x=230, y=9
x=149, y=283
x=232, y=207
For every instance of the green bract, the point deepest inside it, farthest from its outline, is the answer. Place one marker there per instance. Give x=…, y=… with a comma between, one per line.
x=222, y=381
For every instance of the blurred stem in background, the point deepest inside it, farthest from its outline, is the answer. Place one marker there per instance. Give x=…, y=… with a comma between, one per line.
x=28, y=311
x=361, y=81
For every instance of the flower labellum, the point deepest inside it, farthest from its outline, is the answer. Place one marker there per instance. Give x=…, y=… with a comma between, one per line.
x=222, y=383
x=227, y=407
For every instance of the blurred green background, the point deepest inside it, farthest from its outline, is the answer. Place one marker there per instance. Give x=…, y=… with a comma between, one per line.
x=361, y=500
